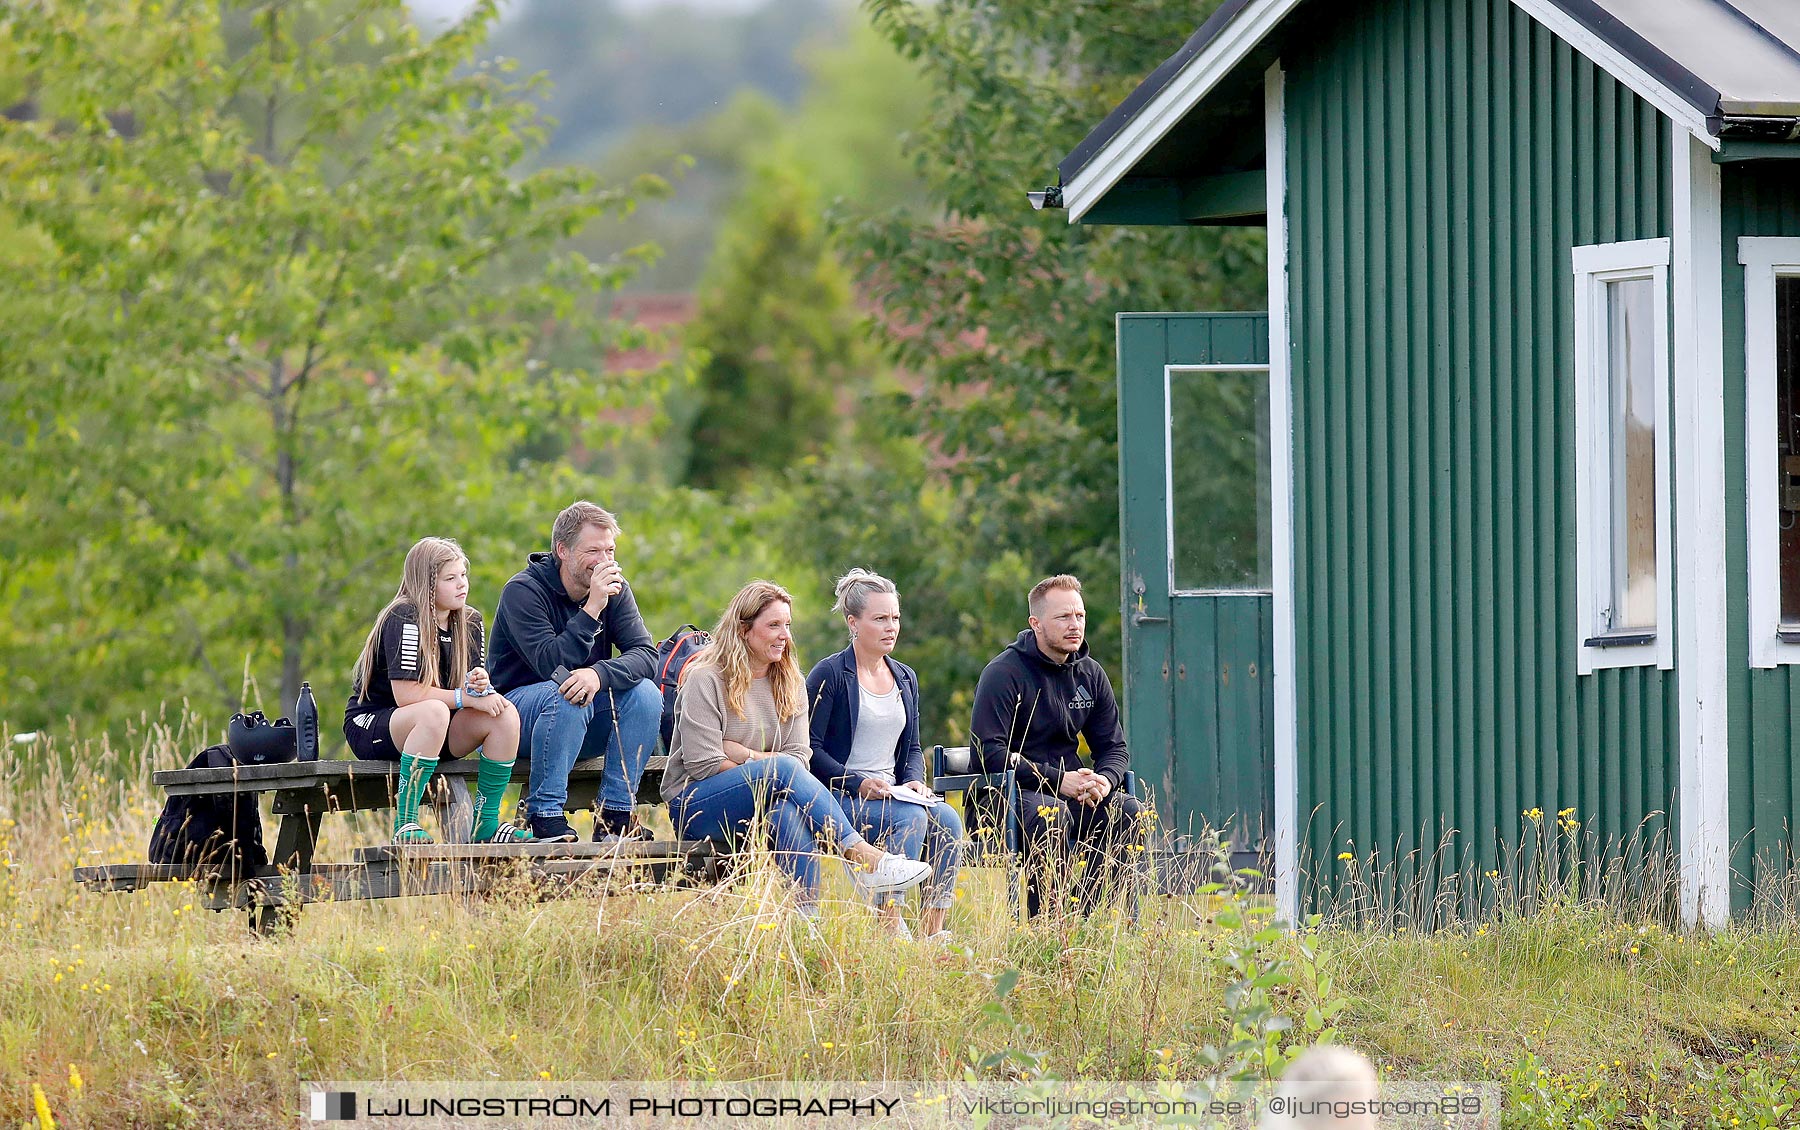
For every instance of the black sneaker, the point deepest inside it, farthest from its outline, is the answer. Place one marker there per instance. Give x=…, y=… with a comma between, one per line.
x=635, y=834
x=552, y=830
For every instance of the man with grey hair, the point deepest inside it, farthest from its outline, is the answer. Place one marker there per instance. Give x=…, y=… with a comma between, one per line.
x=559, y=622
x=1035, y=702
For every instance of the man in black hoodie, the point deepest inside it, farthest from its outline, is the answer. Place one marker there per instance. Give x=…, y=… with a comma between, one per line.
x=569, y=609
x=1034, y=701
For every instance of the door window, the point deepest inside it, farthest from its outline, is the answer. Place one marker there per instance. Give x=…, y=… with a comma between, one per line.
x=1219, y=504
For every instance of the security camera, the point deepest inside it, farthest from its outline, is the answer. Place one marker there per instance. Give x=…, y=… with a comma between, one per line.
x=1051, y=197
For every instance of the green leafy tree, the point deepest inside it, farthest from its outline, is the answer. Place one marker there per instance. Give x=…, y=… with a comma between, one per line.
x=1006, y=315
x=289, y=317
x=778, y=333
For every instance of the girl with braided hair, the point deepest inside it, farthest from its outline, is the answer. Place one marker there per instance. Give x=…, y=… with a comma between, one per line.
x=420, y=693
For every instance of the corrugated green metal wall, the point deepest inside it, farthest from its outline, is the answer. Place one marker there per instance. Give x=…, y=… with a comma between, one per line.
x=1443, y=157
x=1759, y=199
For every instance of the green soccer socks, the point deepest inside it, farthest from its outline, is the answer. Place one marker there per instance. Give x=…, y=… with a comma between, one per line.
x=491, y=780
x=415, y=772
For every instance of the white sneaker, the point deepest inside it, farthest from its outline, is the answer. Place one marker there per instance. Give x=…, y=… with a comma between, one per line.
x=893, y=873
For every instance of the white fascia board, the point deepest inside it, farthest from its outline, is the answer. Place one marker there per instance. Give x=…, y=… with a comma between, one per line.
x=1192, y=83
x=1281, y=490
x=1605, y=56
x=1699, y=441
x=1233, y=43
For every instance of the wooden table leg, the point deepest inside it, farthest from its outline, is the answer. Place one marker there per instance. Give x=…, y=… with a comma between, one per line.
x=294, y=845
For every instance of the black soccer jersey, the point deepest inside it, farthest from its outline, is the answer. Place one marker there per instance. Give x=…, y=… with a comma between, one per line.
x=398, y=657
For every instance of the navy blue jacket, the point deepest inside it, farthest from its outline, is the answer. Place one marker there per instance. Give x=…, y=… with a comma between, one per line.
x=538, y=627
x=1038, y=709
x=831, y=690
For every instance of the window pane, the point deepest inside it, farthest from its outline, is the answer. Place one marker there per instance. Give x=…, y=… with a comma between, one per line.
x=1631, y=388
x=1787, y=418
x=1219, y=472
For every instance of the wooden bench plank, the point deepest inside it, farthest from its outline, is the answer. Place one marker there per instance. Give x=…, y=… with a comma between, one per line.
x=137, y=876
x=326, y=774
x=501, y=853
x=364, y=882
x=386, y=881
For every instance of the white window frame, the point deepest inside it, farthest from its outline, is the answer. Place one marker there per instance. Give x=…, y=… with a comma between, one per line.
x=1169, y=372
x=1595, y=266
x=1764, y=258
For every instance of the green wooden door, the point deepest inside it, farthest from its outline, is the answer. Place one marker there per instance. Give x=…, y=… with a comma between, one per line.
x=1195, y=520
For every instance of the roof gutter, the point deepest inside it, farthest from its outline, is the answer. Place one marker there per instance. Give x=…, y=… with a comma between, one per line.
x=1747, y=127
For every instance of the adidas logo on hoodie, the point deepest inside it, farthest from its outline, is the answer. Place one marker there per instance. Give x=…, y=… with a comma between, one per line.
x=1082, y=700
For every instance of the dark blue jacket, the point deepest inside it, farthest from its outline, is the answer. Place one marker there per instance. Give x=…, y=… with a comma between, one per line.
x=538, y=627
x=831, y=691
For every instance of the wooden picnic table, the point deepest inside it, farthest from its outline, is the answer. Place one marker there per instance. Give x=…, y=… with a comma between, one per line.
x=308, y=791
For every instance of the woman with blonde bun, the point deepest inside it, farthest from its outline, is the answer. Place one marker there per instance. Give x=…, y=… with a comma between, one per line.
x=865, y=747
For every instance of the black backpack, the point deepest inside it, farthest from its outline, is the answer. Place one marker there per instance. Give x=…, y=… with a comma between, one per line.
x=672, y=657
x=211, y=831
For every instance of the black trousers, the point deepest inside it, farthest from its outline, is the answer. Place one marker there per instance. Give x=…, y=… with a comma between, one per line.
x=1085, y=854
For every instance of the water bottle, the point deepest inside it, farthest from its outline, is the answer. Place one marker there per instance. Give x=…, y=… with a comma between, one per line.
x=306, y=724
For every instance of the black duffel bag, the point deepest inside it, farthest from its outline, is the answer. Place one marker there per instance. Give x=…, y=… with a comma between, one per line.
x=222, y=831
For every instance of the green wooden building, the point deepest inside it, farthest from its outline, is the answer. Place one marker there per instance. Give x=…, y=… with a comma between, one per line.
x=1498, y=508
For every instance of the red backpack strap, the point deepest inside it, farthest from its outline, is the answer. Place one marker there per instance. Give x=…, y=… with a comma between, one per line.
x=681, y=634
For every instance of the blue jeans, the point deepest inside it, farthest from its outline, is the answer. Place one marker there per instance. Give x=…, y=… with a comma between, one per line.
x=909, y=830
x=799, y=811
x=552, y=732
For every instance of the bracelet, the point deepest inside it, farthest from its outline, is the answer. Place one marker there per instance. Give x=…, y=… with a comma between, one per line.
x=458, y=705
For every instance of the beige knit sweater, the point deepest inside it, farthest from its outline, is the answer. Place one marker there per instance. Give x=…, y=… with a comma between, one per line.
x=703, y=724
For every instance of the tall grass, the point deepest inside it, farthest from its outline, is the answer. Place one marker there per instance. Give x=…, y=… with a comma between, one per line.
x=144, y=1009
x=1552, y=861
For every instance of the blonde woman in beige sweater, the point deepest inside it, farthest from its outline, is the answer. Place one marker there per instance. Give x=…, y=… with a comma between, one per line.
x=741, y=748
